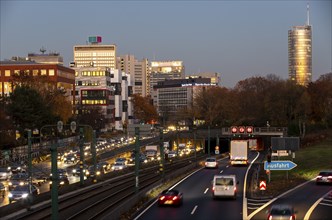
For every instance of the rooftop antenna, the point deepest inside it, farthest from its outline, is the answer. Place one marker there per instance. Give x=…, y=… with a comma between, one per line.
x=308, y=14
x=42, y=50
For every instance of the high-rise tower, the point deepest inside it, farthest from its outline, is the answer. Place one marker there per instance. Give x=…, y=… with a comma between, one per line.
x=300, y=53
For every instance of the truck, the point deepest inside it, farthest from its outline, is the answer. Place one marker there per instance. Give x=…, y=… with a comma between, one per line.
x=239, y=152
x=151, y=151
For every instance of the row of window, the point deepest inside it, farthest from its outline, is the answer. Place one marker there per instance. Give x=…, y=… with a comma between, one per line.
x=42, y=72
x=94, y=102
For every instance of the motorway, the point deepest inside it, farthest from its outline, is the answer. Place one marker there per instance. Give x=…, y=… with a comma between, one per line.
x=310, y=201
x=198, y=202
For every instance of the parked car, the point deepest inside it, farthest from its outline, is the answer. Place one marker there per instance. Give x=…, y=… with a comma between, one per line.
x=170, y=197
x=324, y=177
x=281, y=212
x=18, y=179
x=23, y=192
x=5, y=173
x=2, y=190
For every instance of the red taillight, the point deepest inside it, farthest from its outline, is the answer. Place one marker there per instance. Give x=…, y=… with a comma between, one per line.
x=269, y=217
x=292, y=217
x=175, y=198
x=206, y=163
x=162, y=198
x=213, y=188
x=235, y=189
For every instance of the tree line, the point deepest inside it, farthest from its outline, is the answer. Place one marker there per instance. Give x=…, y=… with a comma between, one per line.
x=254, y=101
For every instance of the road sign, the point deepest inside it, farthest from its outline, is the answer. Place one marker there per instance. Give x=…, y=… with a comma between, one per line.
x=262, y=185
x=216, y=151
x=279, y=165
x=280, y=153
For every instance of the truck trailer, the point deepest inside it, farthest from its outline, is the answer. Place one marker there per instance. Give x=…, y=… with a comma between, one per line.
x=239, y=152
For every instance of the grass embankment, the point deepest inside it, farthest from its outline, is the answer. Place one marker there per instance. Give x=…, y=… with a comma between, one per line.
x=310, y=160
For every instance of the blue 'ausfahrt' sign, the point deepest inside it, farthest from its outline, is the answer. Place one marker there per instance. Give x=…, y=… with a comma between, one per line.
x=279, y=165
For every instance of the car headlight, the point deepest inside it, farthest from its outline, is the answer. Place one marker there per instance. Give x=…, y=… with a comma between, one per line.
x=50, y=182
x=87, y=172
x=62, y=182
x=10, y=195
x=72, y=158
x=113, y=168
x=25, y=195
x=74, y=170
x=21, y=183
x=145, y=161
x=98, y=172
x=120, y=168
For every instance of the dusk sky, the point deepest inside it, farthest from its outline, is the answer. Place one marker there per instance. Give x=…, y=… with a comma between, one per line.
x=239, y=39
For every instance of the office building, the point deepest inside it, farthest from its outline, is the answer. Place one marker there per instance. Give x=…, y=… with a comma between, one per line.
x=138, y=71
x=165, y=70
x=172, y=96
x=215, y=77
x=95, y=54
x=300, y=53
x=60, y=76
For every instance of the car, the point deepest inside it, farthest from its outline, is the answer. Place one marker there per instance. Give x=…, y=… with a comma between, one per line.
x=119, y=166
x=170, y=197
x=324, y=177
x=211, y=162
x=5, y=173
x=121, y=159
x=17, y=168
x=76, y=171
x=105, y=165
x=2, y=190
x=39, y=179
x=95, y=173
x=23, y=192
x=172, y=154
x=70, y=158
x=18, y=179
x=63, y=180
x=224, y=186
x=281, y=212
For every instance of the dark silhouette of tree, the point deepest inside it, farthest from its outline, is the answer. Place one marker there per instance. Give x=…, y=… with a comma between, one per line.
x=144, y=109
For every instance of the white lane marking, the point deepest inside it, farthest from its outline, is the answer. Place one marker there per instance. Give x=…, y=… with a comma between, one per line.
x=268, y=203
x=307, y=215
x=193, y=211
x=227, y=166
x=206, y=190
x=221, y=171
x=244, y=203
x=137, y=217
x=322, y=203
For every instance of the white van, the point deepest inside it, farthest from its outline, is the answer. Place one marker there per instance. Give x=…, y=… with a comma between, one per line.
x=224, y=186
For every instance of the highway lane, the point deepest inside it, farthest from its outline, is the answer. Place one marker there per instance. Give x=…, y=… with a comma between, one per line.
x=198, y=202
x=321, y=208
x=301, y=198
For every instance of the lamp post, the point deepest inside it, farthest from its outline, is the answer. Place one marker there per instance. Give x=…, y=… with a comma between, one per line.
x=162, y=154
x=194, y=128
x=137, y=144
x=209, y=141
x=73, y=126
x=54, y=170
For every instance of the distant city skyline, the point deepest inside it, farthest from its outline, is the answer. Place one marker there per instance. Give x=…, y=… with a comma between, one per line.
x=238, y=39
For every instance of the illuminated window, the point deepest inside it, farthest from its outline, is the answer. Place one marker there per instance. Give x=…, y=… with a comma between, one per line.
x=51, y=72
x=7, y=72
x=43, y=72
x=35, y=72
